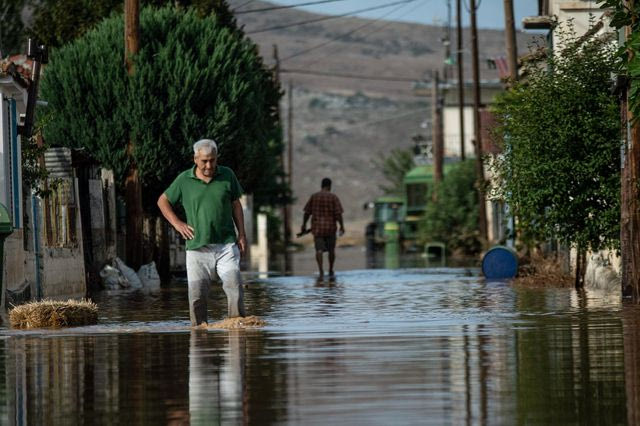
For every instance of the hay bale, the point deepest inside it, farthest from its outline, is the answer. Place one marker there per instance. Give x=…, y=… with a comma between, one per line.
x=54, y=314
x=239, y=322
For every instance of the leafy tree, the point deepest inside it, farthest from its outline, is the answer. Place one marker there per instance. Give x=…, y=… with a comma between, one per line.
x=194, y=78
x=394, y=167
x=58, y=22
x=559, y=170
x=12, y=37
x=625, y=14
x=452, y=215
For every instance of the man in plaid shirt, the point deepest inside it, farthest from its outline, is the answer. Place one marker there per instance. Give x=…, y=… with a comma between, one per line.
x=325, y=210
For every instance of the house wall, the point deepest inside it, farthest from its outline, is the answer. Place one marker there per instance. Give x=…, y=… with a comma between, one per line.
x=451, y=125
x=17, y=269
x=63, y=273
x=59, y=228
x=62, y=268
x=580, y=12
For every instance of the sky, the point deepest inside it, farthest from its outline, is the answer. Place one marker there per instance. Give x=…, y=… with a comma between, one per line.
x=433, y=12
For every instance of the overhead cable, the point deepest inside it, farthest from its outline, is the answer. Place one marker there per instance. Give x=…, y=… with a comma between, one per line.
x=354, y=76
x=326, y=18
x=348, y=33
x=268, y=9
x=307, y=65
x=243, y=5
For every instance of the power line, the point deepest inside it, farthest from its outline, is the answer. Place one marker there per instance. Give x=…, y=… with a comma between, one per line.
x=268, y=9
x=325, y=18
x=348, y=33
x=382, y=120
x=243, y=5
x=370, y=32
x=354, y=76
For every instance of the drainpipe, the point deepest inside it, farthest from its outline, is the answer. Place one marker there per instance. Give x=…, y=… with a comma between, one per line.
x=36, y=245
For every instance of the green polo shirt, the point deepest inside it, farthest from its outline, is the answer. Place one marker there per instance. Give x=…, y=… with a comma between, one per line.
x=207, y=205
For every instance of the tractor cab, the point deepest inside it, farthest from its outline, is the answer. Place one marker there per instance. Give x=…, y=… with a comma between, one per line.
x=388, y=208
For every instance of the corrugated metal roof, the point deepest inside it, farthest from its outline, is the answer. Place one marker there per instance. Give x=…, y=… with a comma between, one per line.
x=58, y=162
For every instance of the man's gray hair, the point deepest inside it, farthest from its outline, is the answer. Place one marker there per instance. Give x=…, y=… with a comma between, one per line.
x=207, y=146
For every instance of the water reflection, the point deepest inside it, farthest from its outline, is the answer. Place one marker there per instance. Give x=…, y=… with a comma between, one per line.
x=216, y=378
x=85, y=379
x=370, y=347
x=631, y=325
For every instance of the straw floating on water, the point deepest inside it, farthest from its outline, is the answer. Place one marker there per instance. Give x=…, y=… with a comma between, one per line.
x=239, y=322
x=54, y=314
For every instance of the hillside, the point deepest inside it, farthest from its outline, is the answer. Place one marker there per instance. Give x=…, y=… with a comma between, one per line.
x=341, y=125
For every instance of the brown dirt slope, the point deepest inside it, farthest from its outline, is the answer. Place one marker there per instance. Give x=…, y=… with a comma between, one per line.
x=341, y=125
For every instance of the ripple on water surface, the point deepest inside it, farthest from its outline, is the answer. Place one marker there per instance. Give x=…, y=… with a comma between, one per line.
x=410, y=346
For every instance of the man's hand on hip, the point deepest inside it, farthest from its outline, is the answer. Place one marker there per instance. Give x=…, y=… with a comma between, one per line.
x=242, y=244
x=185, y=230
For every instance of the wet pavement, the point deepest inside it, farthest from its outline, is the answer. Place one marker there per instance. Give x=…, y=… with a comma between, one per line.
x=413, y=345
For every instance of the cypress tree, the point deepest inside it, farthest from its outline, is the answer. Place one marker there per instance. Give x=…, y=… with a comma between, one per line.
x=195, y=77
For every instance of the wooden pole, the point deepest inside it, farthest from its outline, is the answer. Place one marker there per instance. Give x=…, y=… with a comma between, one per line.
x=131, y=32
x=460, y=78
x=482, y=219
x=290, y=136
x=133, y=190
x=510, y=38
x=436, y=129
x=285, y=210
x=287, y=230
x=630, y=193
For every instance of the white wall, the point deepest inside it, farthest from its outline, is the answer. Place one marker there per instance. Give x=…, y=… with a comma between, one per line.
x=451, y=120
x=579, y=12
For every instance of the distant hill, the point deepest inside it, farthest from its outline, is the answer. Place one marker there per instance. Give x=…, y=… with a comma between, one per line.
x=340, y=125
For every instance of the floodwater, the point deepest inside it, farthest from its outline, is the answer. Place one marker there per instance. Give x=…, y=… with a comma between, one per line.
x=409, y=346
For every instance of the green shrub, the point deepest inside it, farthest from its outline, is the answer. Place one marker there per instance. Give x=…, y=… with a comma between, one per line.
x=451, y=216
x=560, y=167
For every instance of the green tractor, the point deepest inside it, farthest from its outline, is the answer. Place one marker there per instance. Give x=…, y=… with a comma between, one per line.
x=407, y=210
x=388, y=208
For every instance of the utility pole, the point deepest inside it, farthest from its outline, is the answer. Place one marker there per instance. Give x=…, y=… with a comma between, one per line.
x=287, y=230
x=290, y=138
x=460, y=77
x=133, y=190
x=476, y=123
x=629, y=200
x=286, y=221
x=131, y=32
x=436, y=129
x=510, y=34
x=446, y=71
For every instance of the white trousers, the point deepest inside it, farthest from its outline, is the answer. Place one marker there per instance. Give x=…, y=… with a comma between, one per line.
x=203, y=265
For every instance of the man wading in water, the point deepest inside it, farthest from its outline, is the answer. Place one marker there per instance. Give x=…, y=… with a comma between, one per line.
x=325, y=210
x=210, y=195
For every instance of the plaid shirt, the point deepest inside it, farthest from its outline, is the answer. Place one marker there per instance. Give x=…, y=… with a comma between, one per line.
x=325, y=209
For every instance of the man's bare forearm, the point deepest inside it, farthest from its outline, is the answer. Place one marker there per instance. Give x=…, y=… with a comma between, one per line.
x=238, y=217
x=167, y=210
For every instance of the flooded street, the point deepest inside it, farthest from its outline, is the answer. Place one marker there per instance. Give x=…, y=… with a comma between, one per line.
x=377, y=346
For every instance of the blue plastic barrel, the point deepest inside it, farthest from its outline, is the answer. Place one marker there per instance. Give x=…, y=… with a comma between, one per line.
x=500, y=263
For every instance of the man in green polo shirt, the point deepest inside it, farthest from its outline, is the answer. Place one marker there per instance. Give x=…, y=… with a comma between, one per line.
x=210, y=195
